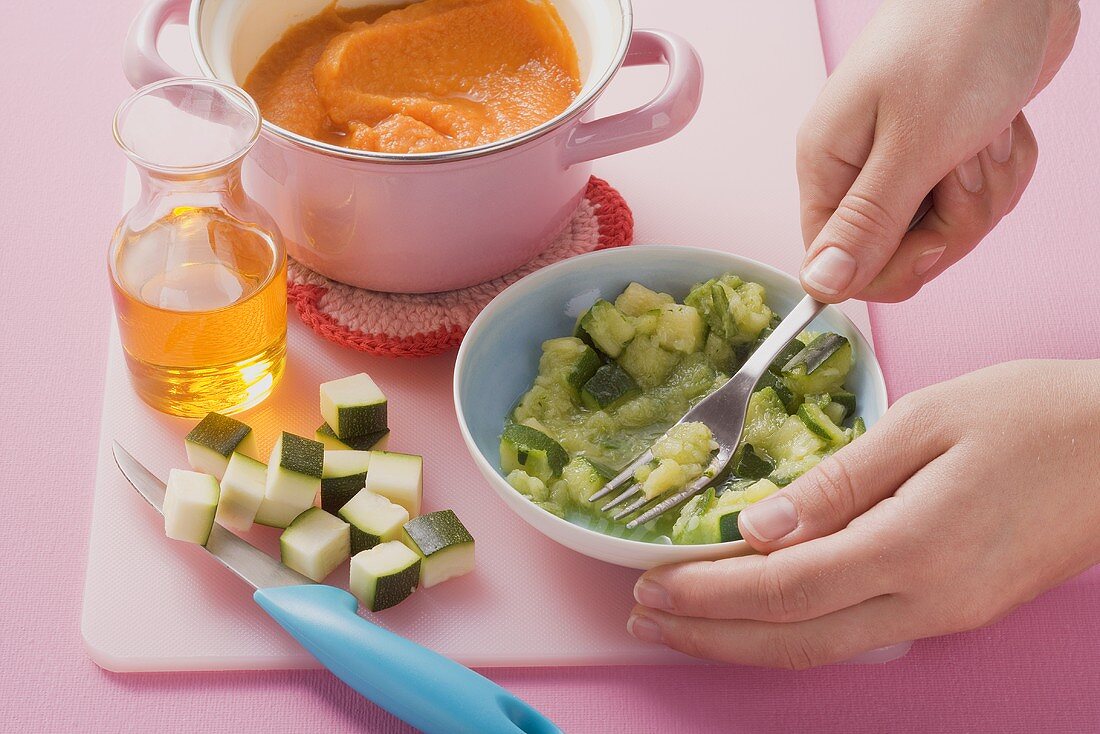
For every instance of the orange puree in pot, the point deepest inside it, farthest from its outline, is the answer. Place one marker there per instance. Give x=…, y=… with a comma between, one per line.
x=432, y=76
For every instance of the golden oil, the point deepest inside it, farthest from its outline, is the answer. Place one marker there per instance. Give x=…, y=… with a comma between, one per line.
x=200, y=298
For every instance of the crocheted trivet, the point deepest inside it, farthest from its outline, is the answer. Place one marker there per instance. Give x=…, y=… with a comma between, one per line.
x=419, y=325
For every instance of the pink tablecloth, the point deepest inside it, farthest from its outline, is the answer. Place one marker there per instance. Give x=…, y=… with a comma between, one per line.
x=1031, y=291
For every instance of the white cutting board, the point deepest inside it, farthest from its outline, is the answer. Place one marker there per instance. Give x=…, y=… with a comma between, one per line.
x=726, y=182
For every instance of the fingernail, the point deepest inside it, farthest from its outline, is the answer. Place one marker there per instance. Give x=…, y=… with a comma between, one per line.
x=970, y=175
x=1000, y=149
x=651, y=594
x=643, y=628
x=831, y=271
x=771, y=519
x=928, y=260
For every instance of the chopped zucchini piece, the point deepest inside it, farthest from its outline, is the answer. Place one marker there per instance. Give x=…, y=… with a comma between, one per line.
x=646, y=362
x=242, y=492
x=294, y=470
x=531, y=487
x=526, y=448
x=721, y=354
x=570, y=359
x=315, y=544
x=606, y=328
x=384, y=576
x=275, y=514
x=775, y=382
x=212, y=442
x=845, y=399
x=753, y=465
x=765, y=414
x=345, y=473
x=190, y=503
x=370, y=442
x=789, y=470
x=836, y=412
x=444, y=544
x=682, y=456
x=608, y=387
x=788, y=353
x=353, y=406
x=858, y=428
x=373, y=519
x=399, y=478
x=792, y=440
x=733, y=309
x=820, y=367
x=637, y=300
x=584, y=477
x=819, y=423
x=680, y=328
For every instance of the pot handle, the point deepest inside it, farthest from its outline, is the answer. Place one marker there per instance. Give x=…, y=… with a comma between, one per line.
x=141, y=61
x=651, y=123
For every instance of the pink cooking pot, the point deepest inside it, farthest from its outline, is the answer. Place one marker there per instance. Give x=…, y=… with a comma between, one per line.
x=428, y=222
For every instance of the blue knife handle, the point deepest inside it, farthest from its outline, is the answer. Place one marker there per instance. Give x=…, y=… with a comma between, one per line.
x=431, y=692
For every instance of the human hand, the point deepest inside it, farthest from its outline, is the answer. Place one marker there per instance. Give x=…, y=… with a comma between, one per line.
x=967, y=499
x=927, y=99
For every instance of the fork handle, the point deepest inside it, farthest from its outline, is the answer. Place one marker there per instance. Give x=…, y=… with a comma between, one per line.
x=790, y=327
x=433, y=693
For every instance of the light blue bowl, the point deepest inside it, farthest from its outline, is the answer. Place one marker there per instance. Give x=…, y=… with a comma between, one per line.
x=499, y=359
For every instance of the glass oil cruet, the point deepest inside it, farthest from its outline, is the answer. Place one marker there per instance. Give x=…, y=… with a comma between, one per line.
x=198, y=269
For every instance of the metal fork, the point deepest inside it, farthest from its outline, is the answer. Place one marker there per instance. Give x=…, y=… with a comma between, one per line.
x=723, y=411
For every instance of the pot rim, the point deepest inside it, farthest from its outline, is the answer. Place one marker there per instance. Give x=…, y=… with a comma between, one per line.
x=579, y=105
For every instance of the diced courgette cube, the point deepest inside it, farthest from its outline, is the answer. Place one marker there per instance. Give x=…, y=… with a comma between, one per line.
x=315, y=544
x=584, y=477
x=793, y=440
x=444, y=545
x=753, y=465
x=353, y=406
x=385, y=575
x=344, y=474
x=375, y=441
x=294, y=470
x=397, y=477
x=637, y=300
x=821, y=367
x=373, y=519
x=819, y=423
x=647, y=362
x=606, y=328
x=680, y=328
x=526, y=448
x=858, y=428
x=190, y=503
x=569, y=359
x=210, y=443
x=776, y=383
x=608, y=387
x=765, y=414
x=242, y=492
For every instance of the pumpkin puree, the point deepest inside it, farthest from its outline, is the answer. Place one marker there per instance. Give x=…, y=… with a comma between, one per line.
x=433, y=76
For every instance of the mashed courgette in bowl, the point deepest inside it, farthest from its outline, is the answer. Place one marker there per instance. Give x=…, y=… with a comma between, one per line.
x=633, y=368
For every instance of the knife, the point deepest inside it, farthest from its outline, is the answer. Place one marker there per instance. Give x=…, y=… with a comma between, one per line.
x=423, y=688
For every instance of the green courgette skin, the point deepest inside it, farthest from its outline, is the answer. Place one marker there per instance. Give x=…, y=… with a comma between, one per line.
x=814, y=354
x=753, y=465
x=218, y=433
x=391, y=590
x=338, y=491
x=608, y=387
x=436, y=531
x=527, y=440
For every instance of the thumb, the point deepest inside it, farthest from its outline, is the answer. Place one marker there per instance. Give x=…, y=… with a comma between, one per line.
x=844, y=485
x=866, y=227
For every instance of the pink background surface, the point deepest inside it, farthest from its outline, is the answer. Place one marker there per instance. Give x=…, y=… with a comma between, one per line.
x=1039, y=668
